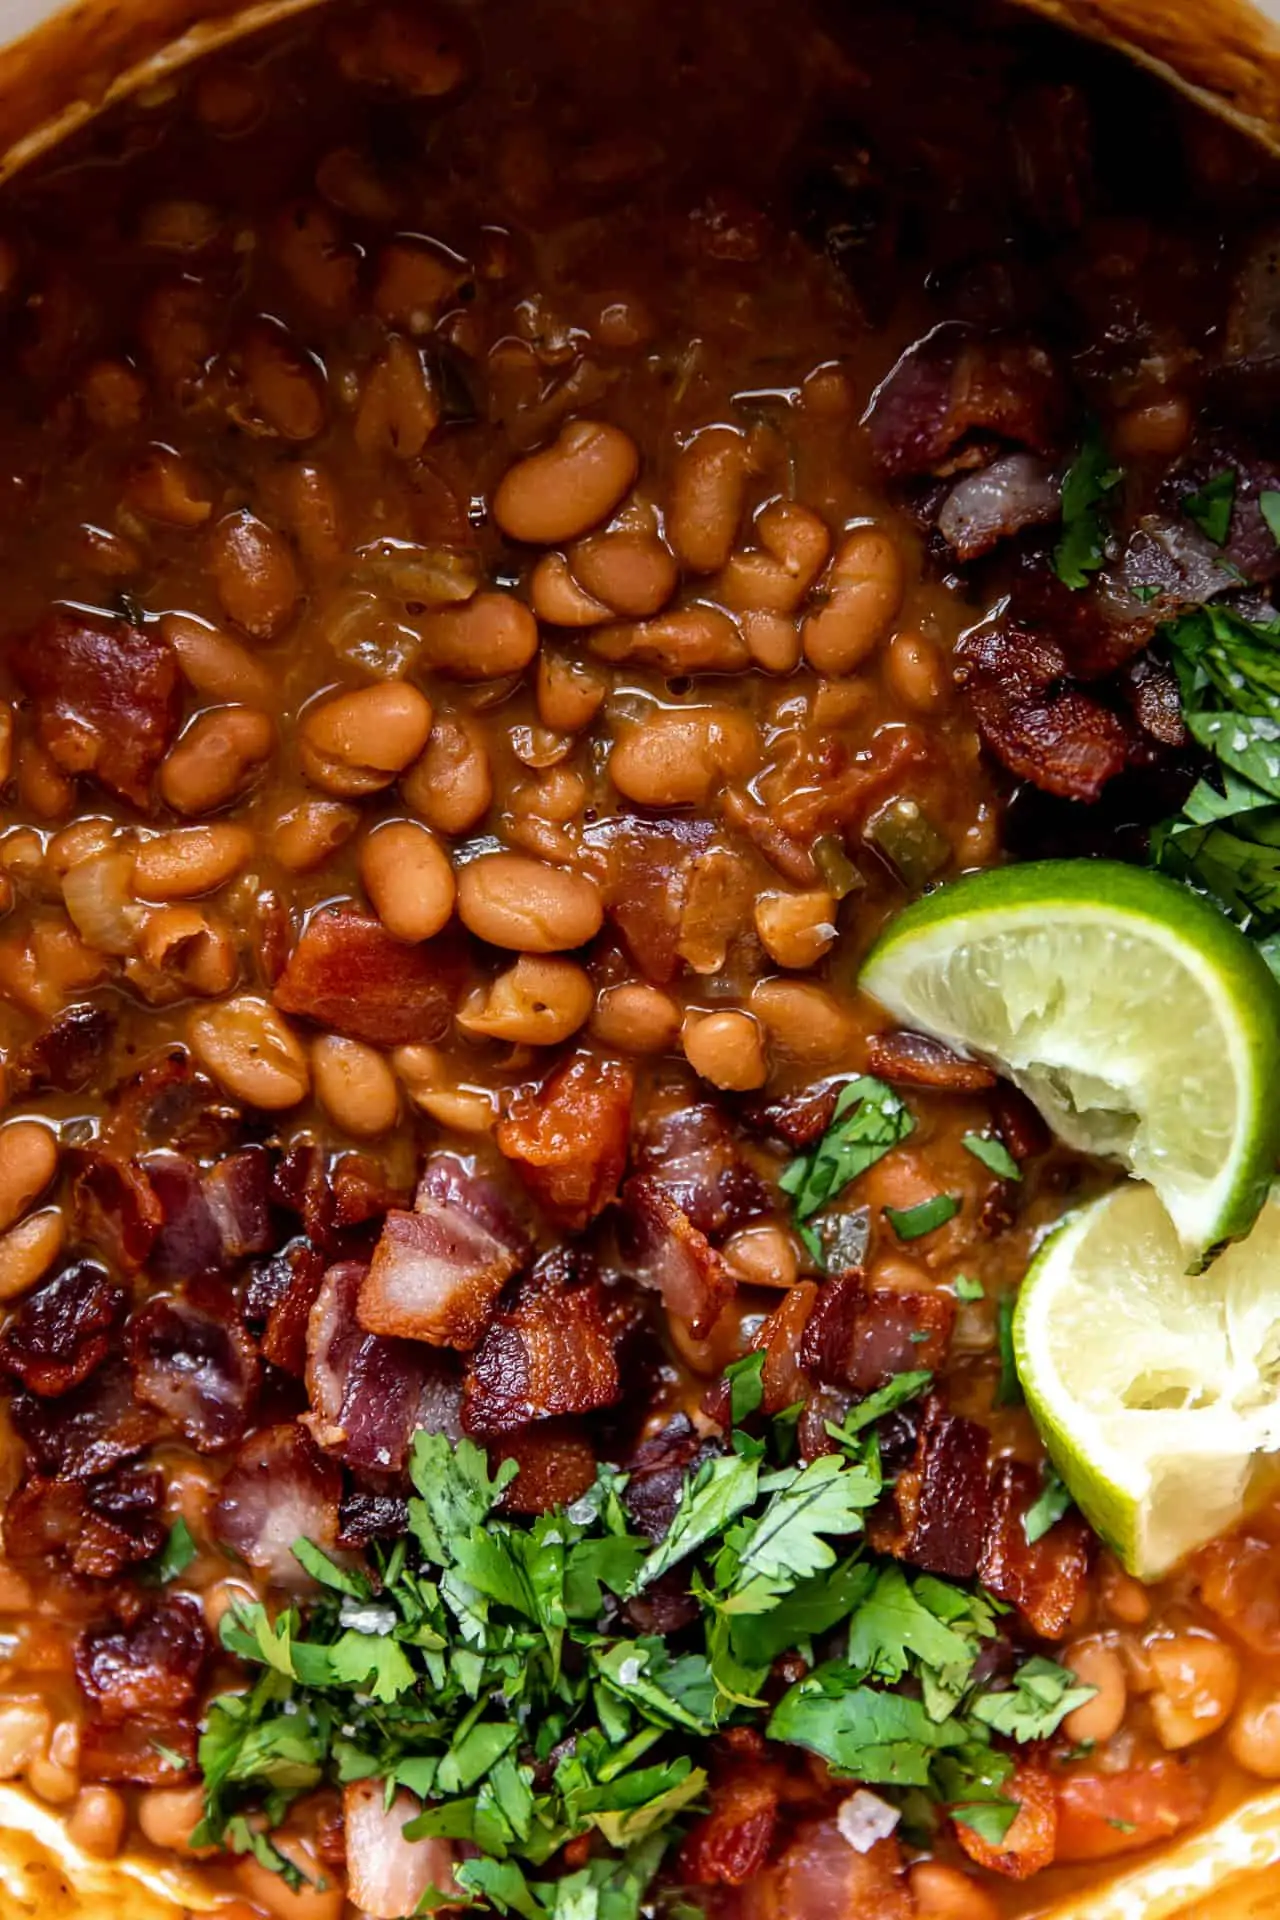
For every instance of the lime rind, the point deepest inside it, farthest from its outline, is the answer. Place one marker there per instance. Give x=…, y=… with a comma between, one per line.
x=1141, y=1022
x=1153, y=1389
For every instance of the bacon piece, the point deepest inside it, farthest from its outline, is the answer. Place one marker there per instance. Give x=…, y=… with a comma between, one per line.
x=954, y=397
x=281, y=1294
x=554, y=1354
x=656, y=1472
x=557, y=1464
x=800, y=1119
x=193, y=1361
x=943, y=1499
x=914, y=1060
x=1105, y=1813
x=106, y=697
x=88, y=1430
x=435, y=1276
x=237, y=1191
x=63, y=1330
x=860, y=1337
x=366, y=1517
x=188, y=1243
x=1239, y=1581
x=388, y=1875
x=821, y=1874
x=139, y=1752
x=1029, y=1844
x=115, y=1207
x=1037, y=721
x=350, y=975
x=362, y=1191
x=150, y=1668
x=450, y=1181
x=689, y=1150
x=836, y=793
x=99, y=1527
x=279, y=1490
x=648, y=868
x=663, y=1250
x=1018, y=490
x=369, y=1395
x=568, y=1137
x=70, y=1053
x=1042, y=1579
x=1020, y=1125
x=730, y=1845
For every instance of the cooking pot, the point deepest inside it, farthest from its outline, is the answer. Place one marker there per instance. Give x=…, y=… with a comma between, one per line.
x=62, y=63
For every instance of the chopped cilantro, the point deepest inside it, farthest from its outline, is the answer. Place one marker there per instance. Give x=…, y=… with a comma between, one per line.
x=994, y=1155
x=1090, y=481
x=746, y=1386
x=912, y=1223
x=895, y=1393
x=869, y=1119
x=1210, y=506
x=174, y=1557
x=966, y=1288
x=1269, y=506
x=1123, y=1826
x=1009, y=1391
x=1035, y=1705
x=989, y=1819
x=1047, y=1509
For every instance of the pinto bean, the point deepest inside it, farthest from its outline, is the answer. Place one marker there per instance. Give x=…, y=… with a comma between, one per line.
x=796, y=929
x=190, y=861
x=537, y=1003
x=569, y=487
x=569, y=692
x=944, y=1893
x=678, y=756
x=311, y=249
x=450, y=785
x=864, y=592
x=399, y=407
x=306, y=832
x=1095, y=1664
x=358, y=742
x=415, y=282
x=708, y=493
x=559, y=599
x=169, y=1816
x=511, y=900
x=687, y=640
x=28, y=1250
x=917, y=673
x=250, y=1051
x=764, y=1256
x=28, y=1162
x=181, y=951
x=484, y=639
x=636, y=1018
x=166, y=488
x=354, y=1085
x=628, y=571
x=408, y=878
x=795, y=546
x=804, y=1021
x=1198, y=1679
x=97, y=1821
x=287, y=385
x=1254, y=1735
x=215, y=664
x=216, y=759
x=254, y=575
x=726, y=1048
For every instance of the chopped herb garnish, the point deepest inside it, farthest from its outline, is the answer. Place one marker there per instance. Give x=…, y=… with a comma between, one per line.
x=746, y=1386
x=1009, y=1390
x=966, y=1288
x=994, y=1155
x=1210, y=507
x=1269, y=506
x=869, y=1119
x=1123, y=1826
x=1047, y=1509
x=1090, y=481
x=912, y=1223
x=173, y=1559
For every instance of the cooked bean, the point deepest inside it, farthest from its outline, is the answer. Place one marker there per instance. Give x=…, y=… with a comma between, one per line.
x=399, y=407
x=311, y=249
x=357, y=743
x=917, y=672
x=52, y=1778
x=726, y=1048
x=28, y=1251
x=113, y=394
x=1253, y=1738
x=43, y=788
x=431, y=1082
x=217, y=757
x=97, y=1821
x=354, y=1085
x=254, y=575
x=628, y=571
x=169, y=1816
x=25, y=1726
x=569, y=487
x=1095, y=1664
x=484, y=639
x=708, y=493
x=513, y=901
x=636, y=1018
x=182, y=950
x=1124, y=1598
x=796, y=929
x=305, y=832
x=287, y=385
x=190, y=861
x=228, y=99
x=416, y=50
x=166, y=488
x=408, y=878
x=451, y=785
x=1157, y=429
x=28, y=1162
x=215, y=664
x=415, y=282
x=679, y=755
x=864, y=592
x=763, y=1256
x=1197, y=1679
x=795, y=546
x=559, y=600
x=569, y=692
x=318, y=1896
x=944, y=1893
x=687, y=640
x=313, y=509
x=248, y=1048
x=805, y=1022
x=537, y=1003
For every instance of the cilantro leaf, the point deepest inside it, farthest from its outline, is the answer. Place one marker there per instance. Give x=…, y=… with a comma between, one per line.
x=1009, y=1390
x=174, y=1557
x=869, y=1119
x=895, y=1393
x=1210, y=507
x=746, y=1386
x=787, y=1543
x=720, y=1490
x=912, y=1223
x=455, y=1492
x=1090, y=481
x=1269, y=506
x=966, y=1288
x=1034, y=1707
x=881, y=1738
x=989, y=1819
x=1046, y=1509
x=994, y=1155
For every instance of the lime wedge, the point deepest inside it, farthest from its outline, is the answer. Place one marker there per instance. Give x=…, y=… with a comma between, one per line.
x=1141, y=1022
x=1154, y=1390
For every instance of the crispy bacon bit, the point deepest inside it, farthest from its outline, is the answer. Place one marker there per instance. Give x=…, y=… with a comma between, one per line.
x=1029, y=1844
x=63, y=1330
x=568, y=1137
x=798, y=1118
x=280, y=1296
x=151, y=1668
x=914, y=1060
x=388, y=1875
x=369, y=1395
x=237, y=1191
x=954, y=398
x=99, y=1527
x=70, y=1053
x=279, y=1490
x=782, y=1337
x=648, y=867
x=656, y=1472
x=362, y=1191
x=88, y=1430
x=1042, y=1579
x=1020, y=1125
x=860, y=1337
x=1104, y=1813
x=730, y=1845
x=1036, y=720
x=106, y=697
x=820, y=1873
x=1016, y=491
x=662, y=1249
x=435, y=1277
x=557, y=1464
x=140, y=1752
x=188, y=1243
x=366, y=1517
x=554, y=1354
x=192, y=1361
x=115, y=1207
x=690, y=1151
x=943, y=1499
x=351, y=976
x=448, y=1181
